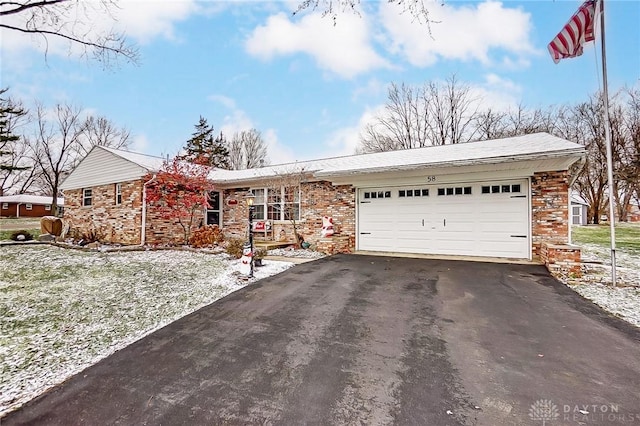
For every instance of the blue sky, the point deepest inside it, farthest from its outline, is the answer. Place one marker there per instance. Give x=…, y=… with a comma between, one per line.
x=307, y=85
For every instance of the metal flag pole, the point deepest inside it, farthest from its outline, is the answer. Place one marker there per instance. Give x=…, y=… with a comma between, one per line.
x=607, y=135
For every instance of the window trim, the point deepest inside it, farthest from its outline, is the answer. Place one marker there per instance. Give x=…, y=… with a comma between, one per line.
x=277, y=206
x=47, y=207
x=118, y=193
x=87, y=195
x=28, y=206
x=5, y=206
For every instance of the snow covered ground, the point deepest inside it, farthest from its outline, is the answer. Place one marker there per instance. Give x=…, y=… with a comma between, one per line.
x=63, y=310
x=595, y=284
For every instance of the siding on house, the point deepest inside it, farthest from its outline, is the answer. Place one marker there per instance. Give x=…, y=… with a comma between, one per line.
x=101, y=167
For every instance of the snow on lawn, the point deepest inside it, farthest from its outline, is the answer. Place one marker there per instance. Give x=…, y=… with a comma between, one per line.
x=62, y=310
x=595, y=284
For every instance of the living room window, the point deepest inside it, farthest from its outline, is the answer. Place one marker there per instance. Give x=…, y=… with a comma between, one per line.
x=87, y=196
x=276, y=203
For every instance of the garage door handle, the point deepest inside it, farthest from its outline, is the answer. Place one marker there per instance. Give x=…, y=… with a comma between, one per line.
x=518, y=236
x=365, y=202
x=518, y=196
x=365, y=233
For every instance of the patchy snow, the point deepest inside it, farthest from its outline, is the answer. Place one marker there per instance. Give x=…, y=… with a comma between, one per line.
x=595, y=284
x=63, y=310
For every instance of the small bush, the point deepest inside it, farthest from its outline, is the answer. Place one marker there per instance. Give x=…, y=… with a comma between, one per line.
x=206, y=236
x=21, y=235
x=260, y=253
x=234, y=247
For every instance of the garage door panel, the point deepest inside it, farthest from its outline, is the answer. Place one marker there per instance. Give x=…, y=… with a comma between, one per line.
x=471, y=220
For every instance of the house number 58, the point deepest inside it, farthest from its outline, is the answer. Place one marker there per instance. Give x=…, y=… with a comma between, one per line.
x=431, y=178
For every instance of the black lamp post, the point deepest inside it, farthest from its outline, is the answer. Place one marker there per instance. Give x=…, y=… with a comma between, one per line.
x=250, y=198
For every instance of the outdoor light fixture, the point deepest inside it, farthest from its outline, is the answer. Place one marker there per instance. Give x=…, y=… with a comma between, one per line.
x=250, y=197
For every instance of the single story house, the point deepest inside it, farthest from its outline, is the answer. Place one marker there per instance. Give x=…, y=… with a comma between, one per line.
x=503, y=198
x=25, y=205
x=579, y=209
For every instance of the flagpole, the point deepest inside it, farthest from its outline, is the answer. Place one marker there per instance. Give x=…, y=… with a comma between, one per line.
x=607, y=135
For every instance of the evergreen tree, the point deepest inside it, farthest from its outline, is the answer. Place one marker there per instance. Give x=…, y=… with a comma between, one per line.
x=9, y=113
x=205, y=149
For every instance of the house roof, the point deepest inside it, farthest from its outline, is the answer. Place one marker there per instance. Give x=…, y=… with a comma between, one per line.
x=528, y=147
x=30, y=199
x=149, y=162
x=577, y=199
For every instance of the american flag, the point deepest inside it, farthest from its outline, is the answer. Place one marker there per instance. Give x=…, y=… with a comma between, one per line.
x=578, y=31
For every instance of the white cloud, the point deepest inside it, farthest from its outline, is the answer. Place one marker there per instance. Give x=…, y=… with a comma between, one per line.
x=344, y=141
x=278, y=153
x=344, y=49
x=497, y=93
x=140, y=143
x=237, y=120
x=465, y=32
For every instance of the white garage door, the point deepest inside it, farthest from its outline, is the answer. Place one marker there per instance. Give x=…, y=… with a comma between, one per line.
x=480, y=219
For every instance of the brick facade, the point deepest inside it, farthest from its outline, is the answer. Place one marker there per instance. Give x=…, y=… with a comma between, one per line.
x=115, y=223
x=549, y=209
x=119, y=223
x=318, y=199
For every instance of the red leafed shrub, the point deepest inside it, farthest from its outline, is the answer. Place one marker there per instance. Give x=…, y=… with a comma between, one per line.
x=206, y=236
x=178, y=192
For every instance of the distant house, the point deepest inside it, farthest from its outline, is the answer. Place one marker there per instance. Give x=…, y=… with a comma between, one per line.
x=505, y=198
x=579, y=209
x=23, y=205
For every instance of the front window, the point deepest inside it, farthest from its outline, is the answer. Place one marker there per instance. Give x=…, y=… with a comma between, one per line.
x=5, y=206
x=118, y=193
x=279, y=203
x=87, y=196
x=47, y=207
x=213, y=211
x=29, y=206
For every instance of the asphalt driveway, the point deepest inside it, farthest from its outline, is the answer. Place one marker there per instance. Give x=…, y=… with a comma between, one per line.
x=370, y=340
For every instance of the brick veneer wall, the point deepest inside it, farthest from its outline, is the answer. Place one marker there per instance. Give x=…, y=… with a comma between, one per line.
x=550, y=209
x=318, y=199
x=121, y=223
x=117, y=223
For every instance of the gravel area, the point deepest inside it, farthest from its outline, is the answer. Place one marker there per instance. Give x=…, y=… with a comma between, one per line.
x=623, y=300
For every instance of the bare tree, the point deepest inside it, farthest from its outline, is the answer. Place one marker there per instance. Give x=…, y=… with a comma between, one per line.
x=54, y=145
x=434, y=114
x=490, y=124
x=100, y=131
x=247, y=150
x=450, y=112
x=333, y=8
x=16, y=169
x=283, y=196
x=70, y=20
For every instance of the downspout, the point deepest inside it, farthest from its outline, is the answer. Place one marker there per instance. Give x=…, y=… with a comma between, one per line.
x=143, y=231
x=18, y=210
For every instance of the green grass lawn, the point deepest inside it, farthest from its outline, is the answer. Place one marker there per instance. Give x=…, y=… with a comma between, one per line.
x=9, y=225
x=627, y=235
